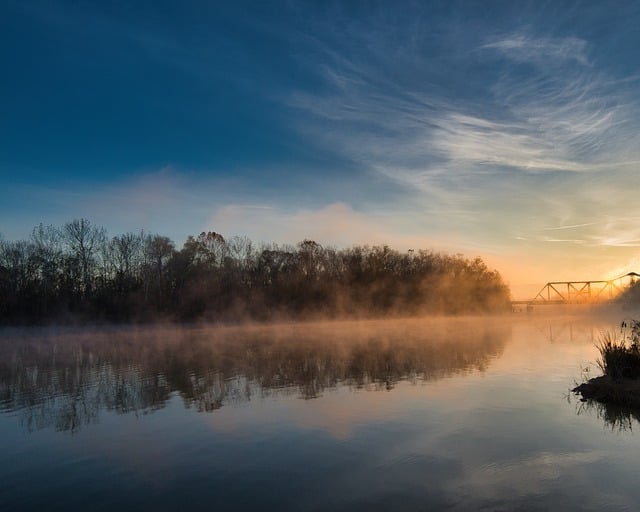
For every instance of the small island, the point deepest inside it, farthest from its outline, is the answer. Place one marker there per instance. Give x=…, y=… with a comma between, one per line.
x=620, y=364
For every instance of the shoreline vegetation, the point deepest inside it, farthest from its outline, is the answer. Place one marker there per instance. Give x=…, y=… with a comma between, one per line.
x=620, y=364
x=77, y=273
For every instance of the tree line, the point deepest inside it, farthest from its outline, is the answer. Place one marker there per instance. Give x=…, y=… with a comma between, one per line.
x=76, y=272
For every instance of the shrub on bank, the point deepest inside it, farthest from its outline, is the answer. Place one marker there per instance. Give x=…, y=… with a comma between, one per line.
x=620, y=354
x=620, y=363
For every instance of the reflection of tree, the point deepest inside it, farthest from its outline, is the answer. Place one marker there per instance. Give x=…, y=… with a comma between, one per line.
x=65, y=380
x=67, y=396
x=618, y=417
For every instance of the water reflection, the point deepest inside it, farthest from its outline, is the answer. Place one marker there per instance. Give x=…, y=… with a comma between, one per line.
x=65, y=379
x=568, y=331
x=617, y=417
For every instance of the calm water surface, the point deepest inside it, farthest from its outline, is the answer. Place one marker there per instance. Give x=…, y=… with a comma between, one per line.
x=446, y=414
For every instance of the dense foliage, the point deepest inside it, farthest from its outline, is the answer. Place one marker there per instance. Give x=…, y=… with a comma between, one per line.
x=76, y=272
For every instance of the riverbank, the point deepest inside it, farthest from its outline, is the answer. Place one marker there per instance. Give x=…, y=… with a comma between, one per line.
x=611, y=391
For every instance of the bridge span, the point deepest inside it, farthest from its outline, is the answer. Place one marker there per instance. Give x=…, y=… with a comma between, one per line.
x=580, y=292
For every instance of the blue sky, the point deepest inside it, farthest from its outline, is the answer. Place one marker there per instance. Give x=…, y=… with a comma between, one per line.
x=508, y=130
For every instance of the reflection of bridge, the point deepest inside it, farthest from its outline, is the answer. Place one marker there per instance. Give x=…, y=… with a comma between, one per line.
x=580, y=292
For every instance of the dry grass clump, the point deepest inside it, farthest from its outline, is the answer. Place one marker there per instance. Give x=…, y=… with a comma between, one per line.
x=620, y=354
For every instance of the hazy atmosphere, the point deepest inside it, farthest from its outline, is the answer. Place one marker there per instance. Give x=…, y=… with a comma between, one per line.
x=506, y=130
x=319, y=256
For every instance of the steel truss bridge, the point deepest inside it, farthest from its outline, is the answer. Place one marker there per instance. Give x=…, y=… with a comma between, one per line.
x=581, y=292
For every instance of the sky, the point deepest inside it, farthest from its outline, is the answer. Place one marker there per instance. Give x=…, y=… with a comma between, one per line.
x=506, y=130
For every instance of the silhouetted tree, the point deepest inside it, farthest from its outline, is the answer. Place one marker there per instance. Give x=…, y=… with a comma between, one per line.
x=84, y=241
x=78, y=271
x=158, y=251
x=126, y=257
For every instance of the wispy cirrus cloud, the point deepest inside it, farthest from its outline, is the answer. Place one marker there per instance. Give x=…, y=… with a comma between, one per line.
x=526, y=48
x=536, y=138
x=563, y=240
x=573, y=226
x=566, y=119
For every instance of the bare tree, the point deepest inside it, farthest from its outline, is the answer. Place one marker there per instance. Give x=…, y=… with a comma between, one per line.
x=84, y=240
x=16, y=260
x=125, y=257
x=47, y=253
x=211, y=248
x=158, y=251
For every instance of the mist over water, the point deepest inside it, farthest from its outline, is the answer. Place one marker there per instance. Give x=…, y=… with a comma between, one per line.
x=461, y=413
x=66, y=378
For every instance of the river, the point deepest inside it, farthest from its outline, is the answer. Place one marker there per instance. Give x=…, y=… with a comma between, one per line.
x=414, y=414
